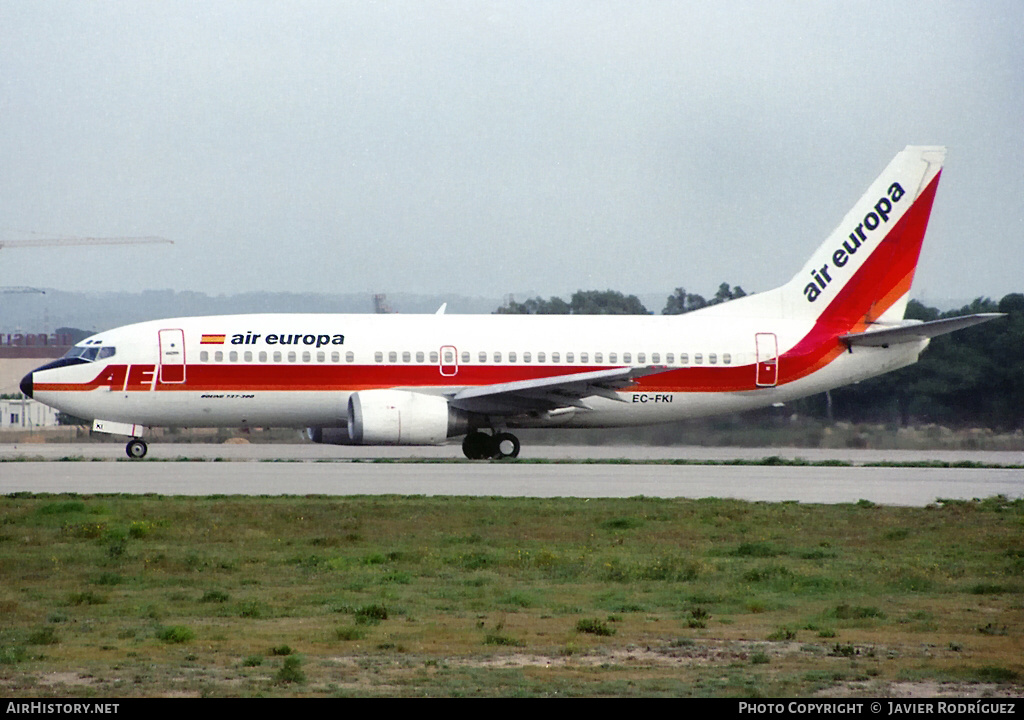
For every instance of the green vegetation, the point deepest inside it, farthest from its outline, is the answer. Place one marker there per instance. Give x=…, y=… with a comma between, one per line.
x=404, y=596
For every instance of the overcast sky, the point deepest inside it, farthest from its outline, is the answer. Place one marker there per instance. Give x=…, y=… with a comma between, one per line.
x=484, y=148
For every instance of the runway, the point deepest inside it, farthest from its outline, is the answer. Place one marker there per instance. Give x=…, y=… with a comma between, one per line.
x=320, y=470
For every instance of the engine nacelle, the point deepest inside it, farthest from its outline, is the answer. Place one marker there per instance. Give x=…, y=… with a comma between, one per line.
x=399, y=417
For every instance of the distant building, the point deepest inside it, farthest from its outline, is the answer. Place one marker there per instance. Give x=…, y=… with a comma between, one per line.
x=25, y=414
x=23, y=352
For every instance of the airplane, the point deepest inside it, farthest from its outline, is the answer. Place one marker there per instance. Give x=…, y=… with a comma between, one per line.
x=425, y=379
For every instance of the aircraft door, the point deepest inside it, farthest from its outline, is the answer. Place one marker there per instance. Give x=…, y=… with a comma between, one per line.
x=172, y=357
x=767, y=359
x=449, y=361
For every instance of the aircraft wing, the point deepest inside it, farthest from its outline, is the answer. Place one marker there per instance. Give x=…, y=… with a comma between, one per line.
x=916, y=331
x=550, y=393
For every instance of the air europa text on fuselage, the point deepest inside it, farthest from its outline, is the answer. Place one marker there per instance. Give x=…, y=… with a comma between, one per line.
x=841, y=256
x=318, y=340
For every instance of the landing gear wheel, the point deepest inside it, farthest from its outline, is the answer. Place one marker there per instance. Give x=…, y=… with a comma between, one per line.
x=477, y=446
x=506, y=445
x=136, y=449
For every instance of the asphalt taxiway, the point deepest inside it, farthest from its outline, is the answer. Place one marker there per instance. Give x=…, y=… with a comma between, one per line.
x=622, y=471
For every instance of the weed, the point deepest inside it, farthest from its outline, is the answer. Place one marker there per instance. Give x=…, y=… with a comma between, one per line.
x=214, y=596
x=855, y=612
x=290, y=672
x=592, y=626
x=782, y=633
x=503, y=640
x=45, y=635
x=176, y=634
x=371, y=615
x=350, y=633
x=86, y=598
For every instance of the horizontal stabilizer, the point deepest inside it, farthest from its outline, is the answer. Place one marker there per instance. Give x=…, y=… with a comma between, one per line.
x=916, y=331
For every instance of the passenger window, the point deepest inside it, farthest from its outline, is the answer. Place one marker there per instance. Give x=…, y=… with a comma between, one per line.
x=482, y=356
x=526, y=357
x=613, y=357
x=569, y=357
x=378, y=356
x=698, y=358
x=655, y=357
x=392, y=357
x=497, y=357
x=511, y=357
x=641, y=357
x=306, y=357
x=291, y=356
x=465, y=356
x=726, y=358
x=449, y=357
x=584, y=357
x=684, y=359
x=627, y=358
x=247, y=356
x=350, y=356
x=420, y=357
x=233, y=356
x=540, y=357
x=598, y=357
x=277, y=356
x=555, y=357
x=712, y=358
x=670, y=358
x=263, y=356
x=406, y=356
x=321, y=357
x=433, y=357
x=204, y=356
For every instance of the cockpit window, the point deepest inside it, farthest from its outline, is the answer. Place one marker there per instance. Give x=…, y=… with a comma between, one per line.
x=90, y=354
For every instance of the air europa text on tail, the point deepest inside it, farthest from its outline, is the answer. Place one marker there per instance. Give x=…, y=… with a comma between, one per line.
x=841, y=256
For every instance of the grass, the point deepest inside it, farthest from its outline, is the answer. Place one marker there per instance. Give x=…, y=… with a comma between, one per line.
x=279, y=596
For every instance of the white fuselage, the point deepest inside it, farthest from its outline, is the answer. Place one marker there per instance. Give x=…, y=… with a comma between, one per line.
x=299, y=370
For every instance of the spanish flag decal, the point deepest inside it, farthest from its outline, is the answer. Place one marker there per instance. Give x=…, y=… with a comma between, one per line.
x=212, y=340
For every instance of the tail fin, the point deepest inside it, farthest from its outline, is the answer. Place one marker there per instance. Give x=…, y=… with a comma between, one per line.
x=862, y=273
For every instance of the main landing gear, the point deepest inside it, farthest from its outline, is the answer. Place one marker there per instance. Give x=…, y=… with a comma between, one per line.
x=136, y=448
x=481, y=446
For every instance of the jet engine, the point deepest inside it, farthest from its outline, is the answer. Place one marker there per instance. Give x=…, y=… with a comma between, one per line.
x=399, y=417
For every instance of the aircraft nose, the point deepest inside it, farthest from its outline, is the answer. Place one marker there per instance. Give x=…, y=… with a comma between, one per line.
x=26, y=385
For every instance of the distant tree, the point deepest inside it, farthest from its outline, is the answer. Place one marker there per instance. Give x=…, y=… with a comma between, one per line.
x=608, y=302
x=535, y=306
x=583, y=302
x=680, y=301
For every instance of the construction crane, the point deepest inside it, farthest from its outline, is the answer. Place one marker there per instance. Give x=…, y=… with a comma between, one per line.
x=21, y=289
x=58, y=242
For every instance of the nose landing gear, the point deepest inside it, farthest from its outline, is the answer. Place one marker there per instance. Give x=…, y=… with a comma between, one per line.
x=481, y=446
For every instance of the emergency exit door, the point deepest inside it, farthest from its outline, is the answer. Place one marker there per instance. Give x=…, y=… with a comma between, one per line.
x=172, y=357
x=767, y=359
